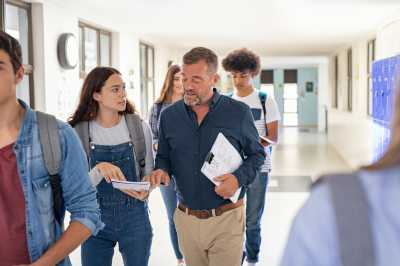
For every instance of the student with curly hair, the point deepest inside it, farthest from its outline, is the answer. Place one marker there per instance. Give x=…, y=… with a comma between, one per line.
x=244, y=65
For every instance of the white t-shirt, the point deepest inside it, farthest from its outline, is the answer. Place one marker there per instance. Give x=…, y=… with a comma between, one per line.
x=272, y=114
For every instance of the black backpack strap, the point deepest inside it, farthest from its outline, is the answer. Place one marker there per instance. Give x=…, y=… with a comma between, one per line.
x=263, y=99
x=350, y=206
x=51, y=148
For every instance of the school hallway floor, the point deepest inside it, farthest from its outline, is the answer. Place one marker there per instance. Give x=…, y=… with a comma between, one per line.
x=301, y=156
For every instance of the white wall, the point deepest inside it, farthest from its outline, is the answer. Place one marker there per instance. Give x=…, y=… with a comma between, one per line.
x=57, y=89
x=388, y=39
x=351, y=133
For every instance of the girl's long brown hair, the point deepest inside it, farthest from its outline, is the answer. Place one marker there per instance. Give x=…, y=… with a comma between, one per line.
x=391, y=157
x=167, y=89
x=88, y=107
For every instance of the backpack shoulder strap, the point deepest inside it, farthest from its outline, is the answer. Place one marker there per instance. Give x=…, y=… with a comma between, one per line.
x=350, y=206
x=134, y=123
x=51, y=148
x=263, y=99
x=82, y=129
x=158, y=112
x=50, y=141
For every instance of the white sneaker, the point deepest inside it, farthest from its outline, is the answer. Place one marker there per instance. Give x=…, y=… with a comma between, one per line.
x=251, y=264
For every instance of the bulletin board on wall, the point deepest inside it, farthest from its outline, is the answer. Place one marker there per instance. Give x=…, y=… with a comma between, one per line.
x=385, y=78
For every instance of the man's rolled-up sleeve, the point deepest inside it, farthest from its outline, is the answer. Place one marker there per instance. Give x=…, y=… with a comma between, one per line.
x=252, y=149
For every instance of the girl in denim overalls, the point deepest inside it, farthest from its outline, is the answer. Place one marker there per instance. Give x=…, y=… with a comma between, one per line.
x=113, y=151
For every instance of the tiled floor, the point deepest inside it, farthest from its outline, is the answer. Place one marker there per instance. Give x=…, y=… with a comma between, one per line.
x=299, y=158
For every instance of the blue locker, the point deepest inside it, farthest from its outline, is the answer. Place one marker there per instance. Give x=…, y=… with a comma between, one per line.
x=389, y=105
x=381, y=88
x=385, y=78
x=375, y=85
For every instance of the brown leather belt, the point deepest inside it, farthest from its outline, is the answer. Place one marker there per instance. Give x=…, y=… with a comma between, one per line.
x=205, y=214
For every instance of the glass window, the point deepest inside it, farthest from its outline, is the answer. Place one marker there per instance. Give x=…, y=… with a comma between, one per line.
x=105, y=48
x=81, y=48
x=95, y=48
x=2, y=14
x=290, y=91
x=150, y=71
x=371, y=59
x=336, y=86
x=268, y=89
x=290, y=106
x=290, y=95
x=18, y=27
x=349, y=80
x=147, y=88
x=143, y=79
x=90, y=49
x=17, y=23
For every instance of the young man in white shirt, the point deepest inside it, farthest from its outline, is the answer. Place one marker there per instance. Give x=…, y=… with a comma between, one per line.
x=244, y=65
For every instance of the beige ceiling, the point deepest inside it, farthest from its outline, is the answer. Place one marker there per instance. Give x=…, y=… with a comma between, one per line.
x=272, y=27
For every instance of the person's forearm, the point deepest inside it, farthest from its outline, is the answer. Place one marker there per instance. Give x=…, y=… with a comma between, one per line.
x=95, y=176
x=266, y=141
x=75, y=235
x=272, y=129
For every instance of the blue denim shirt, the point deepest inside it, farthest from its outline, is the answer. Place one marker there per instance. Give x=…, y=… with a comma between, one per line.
x=184, y=145
x=79, y=195
x=313, y=240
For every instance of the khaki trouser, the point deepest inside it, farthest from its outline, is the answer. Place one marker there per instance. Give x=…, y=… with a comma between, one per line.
x=216, y=241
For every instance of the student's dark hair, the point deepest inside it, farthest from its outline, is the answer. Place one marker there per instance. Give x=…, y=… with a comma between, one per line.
x=88, y=108
x=201, y=53
x=242, y=60
x=11, y=46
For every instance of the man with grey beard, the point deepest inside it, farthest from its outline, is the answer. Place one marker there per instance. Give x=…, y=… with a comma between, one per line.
x=210, y=227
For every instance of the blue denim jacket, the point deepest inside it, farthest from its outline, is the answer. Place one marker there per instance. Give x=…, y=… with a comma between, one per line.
x=79, y=195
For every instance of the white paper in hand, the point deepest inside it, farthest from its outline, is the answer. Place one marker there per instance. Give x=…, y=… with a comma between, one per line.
x=127, y=185
x=223, y=159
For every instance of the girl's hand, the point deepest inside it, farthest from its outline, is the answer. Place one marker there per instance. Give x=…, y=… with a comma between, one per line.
x=110, y=171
